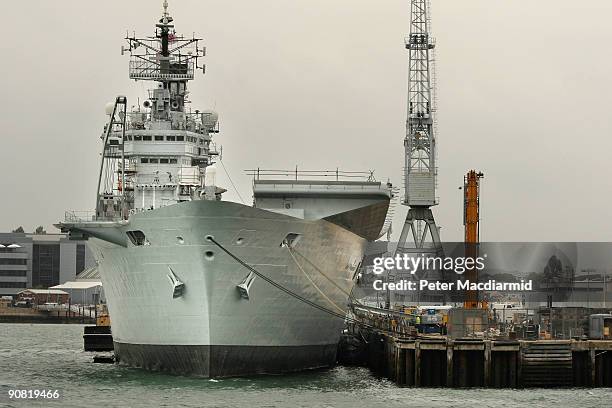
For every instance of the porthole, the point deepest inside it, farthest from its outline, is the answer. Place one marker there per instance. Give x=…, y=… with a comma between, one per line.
x=210, y=255
x=137, y=238
x=180, y=240
x=291, y=240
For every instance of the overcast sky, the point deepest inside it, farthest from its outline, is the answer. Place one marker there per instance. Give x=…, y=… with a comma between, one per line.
x=524, y=95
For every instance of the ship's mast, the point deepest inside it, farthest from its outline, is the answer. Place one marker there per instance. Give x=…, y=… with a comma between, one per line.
x=420, y=234
x=164, y=32
x=167, y=58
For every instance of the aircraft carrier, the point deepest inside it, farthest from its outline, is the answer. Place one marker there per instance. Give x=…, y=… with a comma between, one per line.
x=199, y=285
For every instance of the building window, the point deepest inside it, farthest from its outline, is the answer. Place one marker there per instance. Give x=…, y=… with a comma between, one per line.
x=11, y=261
x=80, y=258
x=13, y=273
x=45, y=265
x=13, y=284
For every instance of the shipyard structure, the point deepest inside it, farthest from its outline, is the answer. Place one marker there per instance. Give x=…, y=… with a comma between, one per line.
x=520, y=314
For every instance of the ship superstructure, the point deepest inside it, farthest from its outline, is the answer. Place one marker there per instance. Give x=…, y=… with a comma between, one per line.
x=178, y=263
x=156, y=154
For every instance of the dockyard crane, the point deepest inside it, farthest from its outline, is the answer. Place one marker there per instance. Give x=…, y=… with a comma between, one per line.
x=471, y=221
x=420, y=234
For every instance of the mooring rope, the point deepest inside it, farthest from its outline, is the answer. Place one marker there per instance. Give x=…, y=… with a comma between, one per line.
x=349, y=295
x=231, y=181
x=342, y=316
x=331, y=302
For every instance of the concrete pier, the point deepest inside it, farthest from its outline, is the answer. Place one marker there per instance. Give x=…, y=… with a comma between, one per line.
x=461, y=363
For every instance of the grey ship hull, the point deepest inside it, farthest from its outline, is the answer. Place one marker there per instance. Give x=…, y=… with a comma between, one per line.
x=210, y=329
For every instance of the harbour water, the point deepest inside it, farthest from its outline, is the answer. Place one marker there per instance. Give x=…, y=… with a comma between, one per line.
x=50, y=357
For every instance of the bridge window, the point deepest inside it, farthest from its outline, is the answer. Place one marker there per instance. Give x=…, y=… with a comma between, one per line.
x=159, y=138
x=136, y=138
x=144, y=160
x=163, y=161
x=170, y=138
x=173, y=161
x=180, y=138
x=147, y=138
x=153, y=161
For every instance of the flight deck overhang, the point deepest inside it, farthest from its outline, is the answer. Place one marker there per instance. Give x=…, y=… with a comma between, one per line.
x=360, y=207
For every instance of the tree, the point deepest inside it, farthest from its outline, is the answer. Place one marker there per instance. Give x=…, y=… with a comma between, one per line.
x=559, y=278
x=40, y=230
x=553, y=272
x=19, y=229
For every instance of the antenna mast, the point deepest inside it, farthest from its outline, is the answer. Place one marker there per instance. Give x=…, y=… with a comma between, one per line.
x=165, y=8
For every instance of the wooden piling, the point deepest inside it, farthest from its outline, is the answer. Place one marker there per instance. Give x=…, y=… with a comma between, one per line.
x=487, y=363
x=410, y=367
x=449, y=364
x=417, y=363
x=593, y=367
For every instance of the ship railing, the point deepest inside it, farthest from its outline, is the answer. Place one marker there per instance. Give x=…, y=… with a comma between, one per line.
x=142, y=69
x=193, y=122
x=88, y=216
x=310, y=175
x=80, y=216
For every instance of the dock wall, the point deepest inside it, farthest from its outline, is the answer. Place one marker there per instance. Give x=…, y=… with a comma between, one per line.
x=442, y=362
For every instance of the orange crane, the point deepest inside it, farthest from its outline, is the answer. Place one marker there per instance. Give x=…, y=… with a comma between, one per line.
x=471, y=218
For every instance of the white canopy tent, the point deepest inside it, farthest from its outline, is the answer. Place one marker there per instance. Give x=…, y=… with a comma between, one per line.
x=82, y=291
